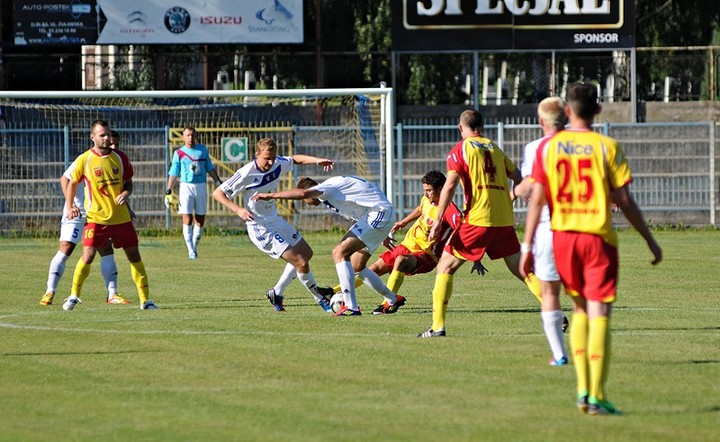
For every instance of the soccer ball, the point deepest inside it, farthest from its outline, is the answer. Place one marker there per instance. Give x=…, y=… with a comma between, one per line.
x=337, y=302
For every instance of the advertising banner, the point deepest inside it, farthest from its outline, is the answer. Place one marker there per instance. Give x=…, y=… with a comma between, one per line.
x=120, y=22
x=43, y=22
x=457, y=25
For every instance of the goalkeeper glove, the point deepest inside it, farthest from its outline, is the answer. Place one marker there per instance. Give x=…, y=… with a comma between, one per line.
x=479, y=268
x=171, y=200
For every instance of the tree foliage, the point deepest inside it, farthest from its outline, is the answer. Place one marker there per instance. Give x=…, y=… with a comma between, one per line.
x=676, y=22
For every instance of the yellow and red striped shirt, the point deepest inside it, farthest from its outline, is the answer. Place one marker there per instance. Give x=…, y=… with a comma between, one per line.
x=484, y=170
x=580, y=169
x=104, y=177
x=416, y=238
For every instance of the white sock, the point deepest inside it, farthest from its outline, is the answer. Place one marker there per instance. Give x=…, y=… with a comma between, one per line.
x=286, y=278
x=109, y=271
x=187, y=234
x=552, y=324
x=308, y=280
x=346, y=275
x=196, y=234
x=372, y=280
x=57, y=268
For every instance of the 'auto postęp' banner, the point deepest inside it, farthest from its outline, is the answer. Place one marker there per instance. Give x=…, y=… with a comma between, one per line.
x=77, y=22
x=59, y=22
x=452, y=25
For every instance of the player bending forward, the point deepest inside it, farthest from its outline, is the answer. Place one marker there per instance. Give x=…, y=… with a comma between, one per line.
x=416, y=253
x=361, y=201
x=267, y=230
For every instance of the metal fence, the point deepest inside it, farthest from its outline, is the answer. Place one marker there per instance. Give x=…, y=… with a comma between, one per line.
x=674, y=165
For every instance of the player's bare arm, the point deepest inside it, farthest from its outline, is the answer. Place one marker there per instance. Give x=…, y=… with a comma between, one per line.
x=446, y=195
x=73, y=211
x=633, y=214
x=523, y=189
x=243, y=213
x=125, y=194
x=327, y=164
x=532, y=219
x=411, y=218
x=214, y=175
x=292, y=194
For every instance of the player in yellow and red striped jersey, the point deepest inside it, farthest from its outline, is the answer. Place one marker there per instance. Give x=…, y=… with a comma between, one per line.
x=107, y=174
x=484, y=171
x=579, y=174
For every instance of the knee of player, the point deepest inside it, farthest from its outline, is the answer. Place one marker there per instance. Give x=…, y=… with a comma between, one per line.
x=404, y=264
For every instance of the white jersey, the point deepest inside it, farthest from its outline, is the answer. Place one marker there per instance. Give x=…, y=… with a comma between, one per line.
x=352, y=197
x=79, y=200
x=526, y=171
x=251, y=178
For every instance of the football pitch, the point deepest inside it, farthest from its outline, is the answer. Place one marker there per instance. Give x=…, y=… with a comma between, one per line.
x=216, y=362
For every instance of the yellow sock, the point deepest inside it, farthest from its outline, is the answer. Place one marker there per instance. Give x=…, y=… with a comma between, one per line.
x=358, y=283
x=534, y=285
x=441, y=296
x=82, y=271
x=395, y=281
x=598, y=355
x=139, y=276
x=578, y=346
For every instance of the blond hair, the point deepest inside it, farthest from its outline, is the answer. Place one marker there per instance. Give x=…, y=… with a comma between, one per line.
x=265, y=144
x=551, y=111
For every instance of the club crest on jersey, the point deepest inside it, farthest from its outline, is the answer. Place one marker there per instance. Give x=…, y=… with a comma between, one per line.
x=115, y=170
x=98, y=171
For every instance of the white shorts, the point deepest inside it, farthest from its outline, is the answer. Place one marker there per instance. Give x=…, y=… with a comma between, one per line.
x=373, y=230
x=545, y=268
x=71, y=230
x=273, y=236
x=192, y=198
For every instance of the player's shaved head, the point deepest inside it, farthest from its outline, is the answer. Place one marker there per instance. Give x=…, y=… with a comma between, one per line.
x=472, y=119
x=583, y=100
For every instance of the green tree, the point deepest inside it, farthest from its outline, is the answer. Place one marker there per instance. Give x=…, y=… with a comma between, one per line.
x=372, y=21
x=673, y=23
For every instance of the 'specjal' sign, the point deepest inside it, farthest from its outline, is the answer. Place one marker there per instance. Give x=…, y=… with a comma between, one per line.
x=421, y=25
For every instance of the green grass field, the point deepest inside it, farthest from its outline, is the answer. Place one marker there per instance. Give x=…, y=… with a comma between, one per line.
x=215, y=362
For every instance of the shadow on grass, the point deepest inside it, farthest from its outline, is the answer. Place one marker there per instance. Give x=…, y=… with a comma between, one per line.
x=75, y=353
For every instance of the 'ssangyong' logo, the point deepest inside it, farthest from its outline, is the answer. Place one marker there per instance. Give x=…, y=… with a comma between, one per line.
x=177, y=20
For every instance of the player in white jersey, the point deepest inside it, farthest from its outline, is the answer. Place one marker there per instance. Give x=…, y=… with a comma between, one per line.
x=70, y=234
x=361, y=201
x=551, y=116
x=266, y=229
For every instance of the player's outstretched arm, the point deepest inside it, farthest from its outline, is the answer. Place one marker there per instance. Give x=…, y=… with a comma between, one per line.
x=326, y=163
x=411, y=218
x=291, y=194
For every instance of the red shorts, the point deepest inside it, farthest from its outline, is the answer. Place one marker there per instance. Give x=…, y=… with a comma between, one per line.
x=588, y=266
x=473, y=242
x=425, y=263
x=98, y=235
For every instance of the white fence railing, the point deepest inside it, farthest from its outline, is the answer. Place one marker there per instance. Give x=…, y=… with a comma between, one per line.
x=674, y=165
